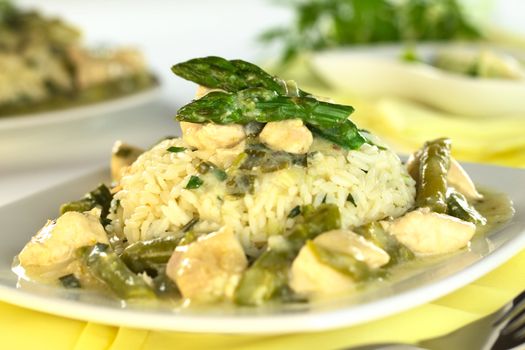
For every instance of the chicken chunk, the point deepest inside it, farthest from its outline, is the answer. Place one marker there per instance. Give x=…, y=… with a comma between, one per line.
x=122, y=156
x=288, y=135
x=210, y=268
x=310, y=276
x=222, y=157
x=428, y=233
x=54, y=246
x=348, y=242
x=457, y=177
x=212, y=136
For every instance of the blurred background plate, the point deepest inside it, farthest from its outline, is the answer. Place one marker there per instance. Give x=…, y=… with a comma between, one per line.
x=93, y=110
x=379, y=70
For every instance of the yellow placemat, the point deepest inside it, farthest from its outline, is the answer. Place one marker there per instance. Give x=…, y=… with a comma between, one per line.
x=25, y=329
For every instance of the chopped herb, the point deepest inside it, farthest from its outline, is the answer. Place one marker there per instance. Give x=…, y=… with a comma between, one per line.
x=203, y=167
x=70, y=281
x=175, y=149
x=219, y=174
x=241, y=184
x=258, y=155
x=351, y=199
x=194, y=182
x=294, y=212
x=190, y=224
x=324, y=199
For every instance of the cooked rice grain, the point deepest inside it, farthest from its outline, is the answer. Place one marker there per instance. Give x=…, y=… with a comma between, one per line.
x=154, y=201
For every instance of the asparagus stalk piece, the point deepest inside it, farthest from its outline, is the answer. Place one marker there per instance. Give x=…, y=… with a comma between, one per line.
x=344, y=263
x=433, y=169
x=375, y=233
x=459, y=207
x=100, y=197
x=148, y=255
x=232, y=76
x=263, y=105
x=107, y=267
x=268, y=275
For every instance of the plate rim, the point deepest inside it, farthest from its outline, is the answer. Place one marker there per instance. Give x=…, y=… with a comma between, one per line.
x=74, y=113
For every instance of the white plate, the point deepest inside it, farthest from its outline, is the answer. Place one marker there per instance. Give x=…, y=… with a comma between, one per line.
x=22, y=218
x=85, y=111
x=375, y=71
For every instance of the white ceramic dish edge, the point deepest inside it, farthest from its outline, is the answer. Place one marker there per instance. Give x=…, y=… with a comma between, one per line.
x=80, y=112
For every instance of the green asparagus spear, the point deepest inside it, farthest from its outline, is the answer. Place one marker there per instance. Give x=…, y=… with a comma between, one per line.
x=232, y=76
x=107, y=267
x=433, y=169
x=100, y=197
x=344, y=263
x=145, y=256
x=459, y=207
x=261, y=105
x=375, y=233
x=264, y=279
x=268, y=275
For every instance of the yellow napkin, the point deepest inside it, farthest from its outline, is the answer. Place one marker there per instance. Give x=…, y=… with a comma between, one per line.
x=25, y=329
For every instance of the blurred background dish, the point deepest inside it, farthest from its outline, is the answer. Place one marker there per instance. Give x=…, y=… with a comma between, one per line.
x=457, y=78
x=45, y=65
x=105, y=109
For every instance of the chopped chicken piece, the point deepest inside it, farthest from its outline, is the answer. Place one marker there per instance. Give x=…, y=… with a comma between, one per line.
x=210, y=268
x=55, y=244
x=428, y=233
x=311, y=276
x=221, y=157
x=288, y=135
x=122, y=156
x=348, y=242
x=457, y=177
x=212, y=136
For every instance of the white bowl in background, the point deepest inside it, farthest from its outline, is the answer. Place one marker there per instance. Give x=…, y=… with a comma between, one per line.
x=378, y=70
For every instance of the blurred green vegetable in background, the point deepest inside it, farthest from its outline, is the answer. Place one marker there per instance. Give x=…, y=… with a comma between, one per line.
x=321, y=24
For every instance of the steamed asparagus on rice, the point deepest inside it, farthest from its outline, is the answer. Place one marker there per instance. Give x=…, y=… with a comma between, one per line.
x=270, y=194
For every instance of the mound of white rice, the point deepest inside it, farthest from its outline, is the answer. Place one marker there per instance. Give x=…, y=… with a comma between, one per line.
x=153, y=201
